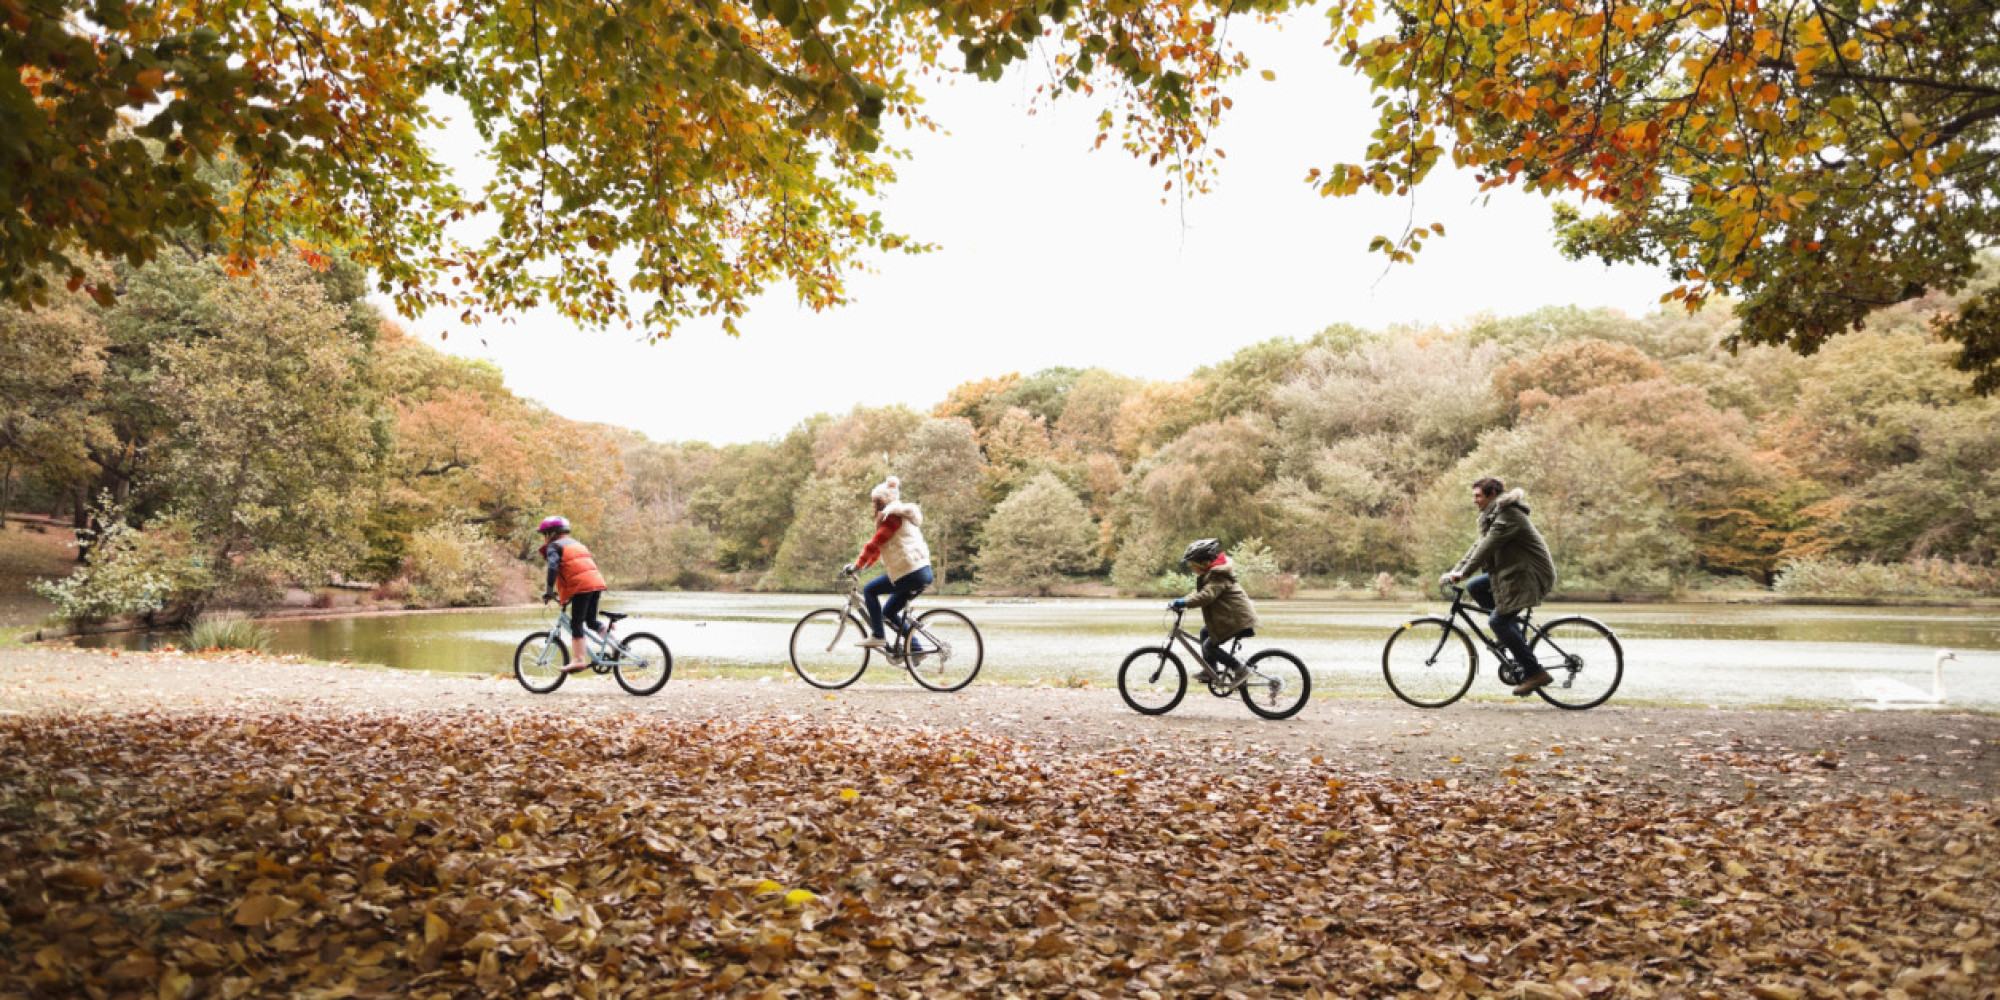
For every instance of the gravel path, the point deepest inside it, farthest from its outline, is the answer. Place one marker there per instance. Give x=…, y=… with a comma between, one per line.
x=1697, y=753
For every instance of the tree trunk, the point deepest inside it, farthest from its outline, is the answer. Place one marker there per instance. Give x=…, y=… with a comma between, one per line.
x=6, y=493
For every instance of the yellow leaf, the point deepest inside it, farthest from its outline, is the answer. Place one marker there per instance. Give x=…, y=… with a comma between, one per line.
x=799, y=897
x=1268, y=75
x=434, y=927
x=767, y=886
x=849, y=794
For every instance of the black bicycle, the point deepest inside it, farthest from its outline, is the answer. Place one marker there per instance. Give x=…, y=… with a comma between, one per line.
x=1274, y=683
x=1430, y=662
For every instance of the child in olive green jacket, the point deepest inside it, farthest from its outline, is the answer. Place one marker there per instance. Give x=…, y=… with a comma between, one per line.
x=1226, y=610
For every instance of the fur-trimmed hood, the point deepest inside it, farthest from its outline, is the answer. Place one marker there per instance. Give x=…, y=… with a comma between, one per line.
x=1516, y=497
x=907, y=511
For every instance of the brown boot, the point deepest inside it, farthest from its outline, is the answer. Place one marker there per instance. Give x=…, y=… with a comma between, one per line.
x=1528, y=686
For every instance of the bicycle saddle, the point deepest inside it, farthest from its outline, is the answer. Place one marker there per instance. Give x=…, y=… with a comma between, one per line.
x=613, y=615
x=1247, y=633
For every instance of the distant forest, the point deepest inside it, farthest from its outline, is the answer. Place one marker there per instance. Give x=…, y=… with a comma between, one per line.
x=223, y=439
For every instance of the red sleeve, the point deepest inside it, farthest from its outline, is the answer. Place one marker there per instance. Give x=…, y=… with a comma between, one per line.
x=873, y=550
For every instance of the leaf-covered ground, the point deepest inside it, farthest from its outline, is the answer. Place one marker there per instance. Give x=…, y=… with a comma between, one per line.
x=530, y=853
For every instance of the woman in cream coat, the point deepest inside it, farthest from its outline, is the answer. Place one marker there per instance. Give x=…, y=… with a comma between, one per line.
x=899, y=544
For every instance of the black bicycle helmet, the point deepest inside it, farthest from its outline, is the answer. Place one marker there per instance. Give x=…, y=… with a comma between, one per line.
x=1201, y=550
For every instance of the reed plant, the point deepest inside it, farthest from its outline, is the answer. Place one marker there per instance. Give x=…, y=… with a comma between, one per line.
x=228, y=630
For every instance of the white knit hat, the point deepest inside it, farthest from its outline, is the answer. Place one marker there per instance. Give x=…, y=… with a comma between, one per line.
x=888, y=491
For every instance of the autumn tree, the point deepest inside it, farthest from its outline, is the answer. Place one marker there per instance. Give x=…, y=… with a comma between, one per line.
x=940, y=467
x=1037, y=537
x=1817, y=160
x=686, y=155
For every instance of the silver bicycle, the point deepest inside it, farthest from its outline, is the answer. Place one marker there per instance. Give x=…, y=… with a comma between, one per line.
x=1274, y=684
x=942, y=650
x=640, y=661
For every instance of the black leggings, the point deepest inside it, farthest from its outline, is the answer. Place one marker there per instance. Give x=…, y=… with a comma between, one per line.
x=583, y=608
x=1212, y=650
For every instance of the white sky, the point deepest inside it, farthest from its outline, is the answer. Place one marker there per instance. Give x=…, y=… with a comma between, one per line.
x=1054, y=254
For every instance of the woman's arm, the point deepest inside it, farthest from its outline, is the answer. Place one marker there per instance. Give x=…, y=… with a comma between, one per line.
x=873, y=550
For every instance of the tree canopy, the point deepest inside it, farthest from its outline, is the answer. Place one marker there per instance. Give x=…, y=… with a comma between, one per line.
x=694, y=153
x=1818, y=159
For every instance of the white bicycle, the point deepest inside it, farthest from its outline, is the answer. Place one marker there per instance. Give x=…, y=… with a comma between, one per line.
x=942, y=650
x=640, y=661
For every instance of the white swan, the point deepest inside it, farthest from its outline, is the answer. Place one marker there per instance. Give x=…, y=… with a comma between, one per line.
x=1883, y=692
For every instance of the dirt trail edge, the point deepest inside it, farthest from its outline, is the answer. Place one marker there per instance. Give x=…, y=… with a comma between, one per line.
x=1678, y=752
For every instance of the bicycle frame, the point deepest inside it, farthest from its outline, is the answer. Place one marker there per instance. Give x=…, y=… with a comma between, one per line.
x=1192, y=643
x=857, y=612
x=1530, y=631
x=595, y=645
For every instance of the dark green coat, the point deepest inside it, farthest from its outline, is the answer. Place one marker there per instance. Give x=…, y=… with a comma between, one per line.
x=1514, y=553
x=1225, y=605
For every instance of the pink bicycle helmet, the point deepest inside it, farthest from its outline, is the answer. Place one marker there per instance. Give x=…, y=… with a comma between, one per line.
x=553, y=523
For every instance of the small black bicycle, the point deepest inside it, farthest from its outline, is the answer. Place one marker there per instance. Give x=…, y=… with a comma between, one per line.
x=1430, y=662
x=1274, y=683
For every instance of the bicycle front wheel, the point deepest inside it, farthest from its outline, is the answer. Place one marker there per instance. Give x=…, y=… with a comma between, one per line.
x=1152, y=680
x=1584, y=658
x=945, y=650
x=644, y=664
x=826, y=649
x=1278, y=686
x=1429, y=662
x=539, y=662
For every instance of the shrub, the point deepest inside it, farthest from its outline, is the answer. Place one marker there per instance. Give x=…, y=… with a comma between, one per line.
x=131, y=572
x=228, y=630
x=451, y=565
x=1931, y=577
x=1256, y=567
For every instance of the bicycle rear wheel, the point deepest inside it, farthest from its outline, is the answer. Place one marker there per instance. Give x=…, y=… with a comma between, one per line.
x=1152, y=680
x=1585, y=659
x=826, y=649
x=538, y=663
x=1429, y=662
x=1279, y=684
x=644, y=665
x=945, y=650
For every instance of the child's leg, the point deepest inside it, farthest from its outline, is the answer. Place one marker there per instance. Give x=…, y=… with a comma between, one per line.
x=1212, y=651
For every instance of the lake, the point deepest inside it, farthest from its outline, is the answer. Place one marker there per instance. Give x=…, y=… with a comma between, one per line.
x=1701, y=654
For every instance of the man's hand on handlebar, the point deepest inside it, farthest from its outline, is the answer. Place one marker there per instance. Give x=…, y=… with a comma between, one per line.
x=1449, y=579
x=548, y=595
x=1177, y=605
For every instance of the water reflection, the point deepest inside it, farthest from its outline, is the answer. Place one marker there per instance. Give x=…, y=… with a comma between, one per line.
x=1701, y=654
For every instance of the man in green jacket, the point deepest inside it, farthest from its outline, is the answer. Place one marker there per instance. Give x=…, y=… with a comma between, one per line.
x=1515, y=571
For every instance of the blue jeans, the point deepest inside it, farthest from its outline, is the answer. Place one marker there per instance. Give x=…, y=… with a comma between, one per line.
x=901, y=591
x=1507, y=627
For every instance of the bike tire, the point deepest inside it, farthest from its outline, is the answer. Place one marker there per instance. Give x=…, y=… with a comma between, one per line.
x=1167, y=666
x=1588, y=650
x=820, y=667
x=1287, y=700
x=644, y=654
x=1425, y=667
x=959, y=647
x=531, y=663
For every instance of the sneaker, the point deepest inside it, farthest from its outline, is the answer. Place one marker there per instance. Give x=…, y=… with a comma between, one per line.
x=873, y=643
x=1538, y=679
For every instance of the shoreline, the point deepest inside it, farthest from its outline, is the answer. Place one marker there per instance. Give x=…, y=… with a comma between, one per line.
x=35, y=634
